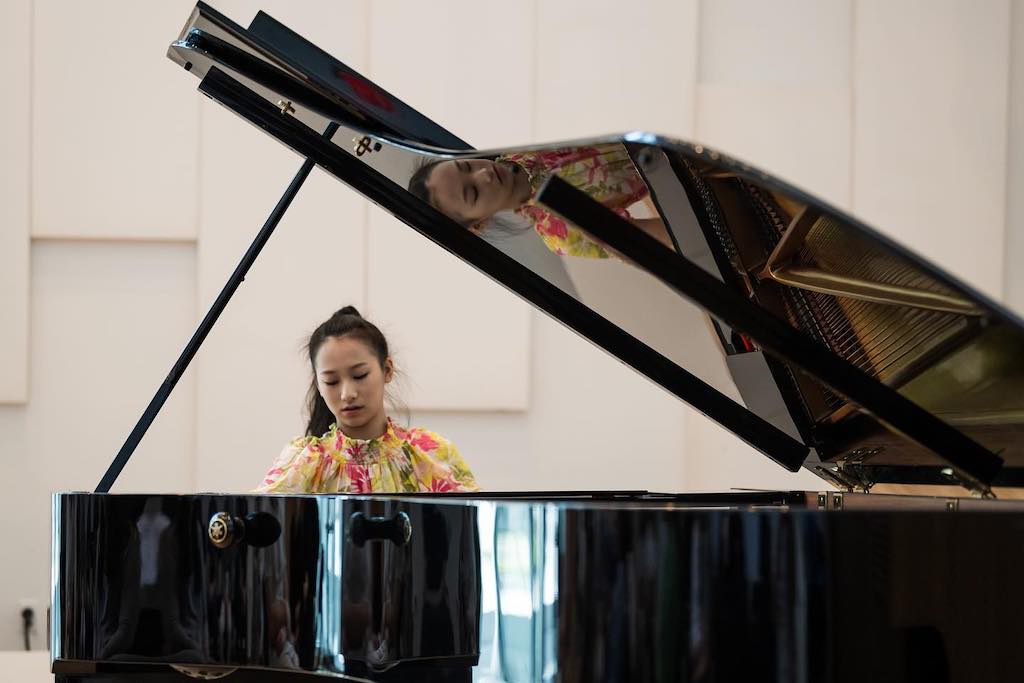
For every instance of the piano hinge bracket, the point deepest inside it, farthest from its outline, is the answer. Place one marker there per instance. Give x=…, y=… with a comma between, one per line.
x=952, y=505
x=850, y=468
x=285, y=106
x=834, y=477
x=976, y=488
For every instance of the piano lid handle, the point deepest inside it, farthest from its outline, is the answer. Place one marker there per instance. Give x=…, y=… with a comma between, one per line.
x=397, y=528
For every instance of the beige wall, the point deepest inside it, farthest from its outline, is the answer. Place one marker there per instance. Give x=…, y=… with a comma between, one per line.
x=127, y=198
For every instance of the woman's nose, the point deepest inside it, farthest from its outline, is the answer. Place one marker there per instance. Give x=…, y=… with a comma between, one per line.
x=348, y=392
x=485, y=174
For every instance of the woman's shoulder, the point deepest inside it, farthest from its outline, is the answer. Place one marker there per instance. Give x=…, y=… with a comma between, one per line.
x=424, y=439
x=438, y=463
x=312, y=443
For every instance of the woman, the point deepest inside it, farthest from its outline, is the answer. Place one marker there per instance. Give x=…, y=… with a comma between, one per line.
x=351, y=445
x=483, y=194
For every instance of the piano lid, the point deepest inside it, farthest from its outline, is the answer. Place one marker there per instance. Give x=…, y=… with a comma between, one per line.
x=817, y=340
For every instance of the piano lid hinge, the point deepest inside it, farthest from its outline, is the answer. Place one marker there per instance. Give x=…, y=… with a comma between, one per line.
x=850, y=472
x=976, y=488
x=833, y=476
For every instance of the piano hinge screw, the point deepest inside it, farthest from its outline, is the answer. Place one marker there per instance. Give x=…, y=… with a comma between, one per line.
x=286, y=107
x=822, y=500
x=952, y=505
x=837, y=501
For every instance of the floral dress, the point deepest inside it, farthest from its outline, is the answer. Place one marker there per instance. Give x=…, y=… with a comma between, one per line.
x=605, y=172
x=399, y=461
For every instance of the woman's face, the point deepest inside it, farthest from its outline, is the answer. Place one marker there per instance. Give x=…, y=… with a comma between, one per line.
x=473, y=190
x=351, y=381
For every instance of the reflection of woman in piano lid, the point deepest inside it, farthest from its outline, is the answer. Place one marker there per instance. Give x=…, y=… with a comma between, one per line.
x=485, y=194
x=351, y=445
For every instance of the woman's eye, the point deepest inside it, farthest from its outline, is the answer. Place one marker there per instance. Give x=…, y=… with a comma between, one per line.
x=361, y=376
x=330, y=384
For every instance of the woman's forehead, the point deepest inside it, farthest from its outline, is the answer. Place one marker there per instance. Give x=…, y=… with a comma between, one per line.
x=445, y=186
x=343, y=351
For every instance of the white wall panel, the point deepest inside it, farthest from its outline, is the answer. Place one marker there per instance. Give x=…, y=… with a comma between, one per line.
x=593, y=423
x=1013, y=272
x=253, y=376
x=605, y=67
x=718, y=461
x=114, y=134
x=774, y=89
x=464, y=342
x=14, y=201
x=930, y=129
x=461, y=340
x=107, y=321
x=801, y=135
x=466, y=65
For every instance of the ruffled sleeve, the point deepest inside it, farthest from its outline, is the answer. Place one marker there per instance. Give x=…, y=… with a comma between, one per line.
x=296, y=469
x=437, y=464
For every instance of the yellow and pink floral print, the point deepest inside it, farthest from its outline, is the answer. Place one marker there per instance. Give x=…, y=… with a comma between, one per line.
x=605, y=172
x=400, y=461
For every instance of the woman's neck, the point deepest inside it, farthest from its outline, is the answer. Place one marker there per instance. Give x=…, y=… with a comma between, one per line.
x=373, y=429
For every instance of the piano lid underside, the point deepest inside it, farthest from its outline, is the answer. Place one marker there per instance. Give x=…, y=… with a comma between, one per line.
x=874, y=308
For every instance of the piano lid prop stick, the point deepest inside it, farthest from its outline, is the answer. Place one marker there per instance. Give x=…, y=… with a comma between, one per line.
x=218, y=306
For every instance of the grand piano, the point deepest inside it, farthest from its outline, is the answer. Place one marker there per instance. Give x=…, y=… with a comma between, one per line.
x=844, y=354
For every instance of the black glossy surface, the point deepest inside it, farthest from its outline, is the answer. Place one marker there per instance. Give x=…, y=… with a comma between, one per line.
x=518, y=591
x=138, y=580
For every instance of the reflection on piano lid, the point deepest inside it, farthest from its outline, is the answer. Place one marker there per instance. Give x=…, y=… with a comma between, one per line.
x=834, y=349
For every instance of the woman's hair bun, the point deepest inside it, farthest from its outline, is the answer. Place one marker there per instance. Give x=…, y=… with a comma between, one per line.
x=349, y=310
